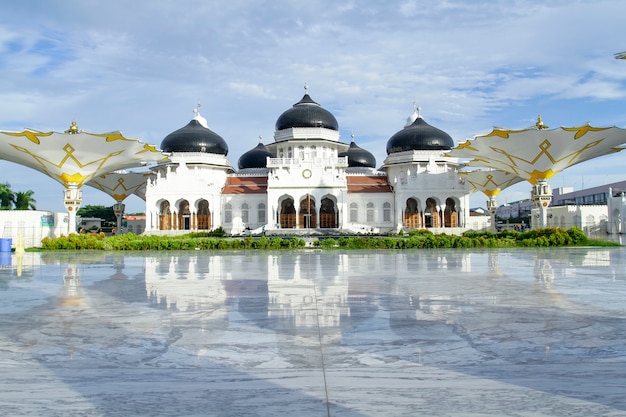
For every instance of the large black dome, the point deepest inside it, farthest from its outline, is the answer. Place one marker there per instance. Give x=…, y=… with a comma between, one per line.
x=359, y=157
x=194, y=138
x=307, y=113
x=419, y=136
x=255, y=157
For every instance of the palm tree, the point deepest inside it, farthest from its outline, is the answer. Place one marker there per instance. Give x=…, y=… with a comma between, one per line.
x=24, y=200
x=7, y=197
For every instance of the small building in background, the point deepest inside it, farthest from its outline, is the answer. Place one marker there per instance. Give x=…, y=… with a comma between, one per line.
x=89, y=224
x=134, y=224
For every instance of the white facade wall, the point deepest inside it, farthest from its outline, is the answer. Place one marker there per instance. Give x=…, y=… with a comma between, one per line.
x=421, y=175
x=365, y=212
x=243, y=213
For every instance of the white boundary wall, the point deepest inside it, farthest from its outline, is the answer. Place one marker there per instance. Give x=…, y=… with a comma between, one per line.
x=34, y=225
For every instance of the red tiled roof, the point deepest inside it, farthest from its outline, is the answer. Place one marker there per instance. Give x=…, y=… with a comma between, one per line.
x=245, y=185
x=368, y=184
x=132, y=217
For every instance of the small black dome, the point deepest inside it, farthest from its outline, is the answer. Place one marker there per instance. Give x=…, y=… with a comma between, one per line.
x=194, y=138
x=359, y=157
x=307, y=113
x=255, y=157
x=419, y=136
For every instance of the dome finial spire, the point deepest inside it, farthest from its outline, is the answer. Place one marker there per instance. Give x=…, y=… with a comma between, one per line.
x=73, y=128
x=540, y=125
x=198, y=117
x=306, y=88
x=260, y=138
x=415, y=115
x=352, y=136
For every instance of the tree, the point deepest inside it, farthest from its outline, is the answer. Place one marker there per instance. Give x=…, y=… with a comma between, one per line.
x=101, y=212
x=24, y=200
x=7, y=197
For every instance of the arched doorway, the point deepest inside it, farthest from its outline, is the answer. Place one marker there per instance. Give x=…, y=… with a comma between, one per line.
x=308, y=216
x=287, y=215
x=328, y=214
x=412, y=215
x=184, y=215
x=450, y=215
x=431, y=214
x=203, y=216
x=165, y=216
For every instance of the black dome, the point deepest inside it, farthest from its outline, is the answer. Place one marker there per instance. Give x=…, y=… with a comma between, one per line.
x=255, y=158
x=307, y=113
x=359, y=157
x=194, y=138
x=419, y=136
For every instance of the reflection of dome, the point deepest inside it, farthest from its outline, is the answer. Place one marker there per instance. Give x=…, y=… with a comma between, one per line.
x=195, y=138
x=359, y=157
x=255, y=157
x=419, y=136
x=307, y=113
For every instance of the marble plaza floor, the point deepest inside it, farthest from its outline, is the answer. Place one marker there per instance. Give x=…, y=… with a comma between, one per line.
x=314, y=333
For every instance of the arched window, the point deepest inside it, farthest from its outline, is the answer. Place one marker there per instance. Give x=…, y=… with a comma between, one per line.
x=301, y=152
x=369, y=212
x=261, y=213
x=228, y=213
x=354, y=213
x=289, y=152
x=387, y=212
x=245, y=213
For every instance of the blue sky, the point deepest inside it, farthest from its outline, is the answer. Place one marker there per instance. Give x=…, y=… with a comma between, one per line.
x=141, y=67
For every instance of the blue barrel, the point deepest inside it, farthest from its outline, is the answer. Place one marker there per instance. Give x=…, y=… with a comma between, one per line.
x=5, y=258
x=5, y=244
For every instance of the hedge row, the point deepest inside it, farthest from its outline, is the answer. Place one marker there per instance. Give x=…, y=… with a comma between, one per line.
x=416, y=239
x=130, y=241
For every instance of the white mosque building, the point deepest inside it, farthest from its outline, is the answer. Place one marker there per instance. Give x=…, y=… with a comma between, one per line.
x=307, y=181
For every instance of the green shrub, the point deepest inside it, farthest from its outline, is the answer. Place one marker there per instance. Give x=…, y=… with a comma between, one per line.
x=328, y=243
x=420, y=232
x=577, y=236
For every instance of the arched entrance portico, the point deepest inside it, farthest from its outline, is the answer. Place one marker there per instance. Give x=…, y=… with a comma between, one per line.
x=450, y=215
x=165, y=216
x=328, y=213
x=431, y=214
x=308, y=215
x=412, y=214
x=287, y=215
x=184, y=216
x=203, y=215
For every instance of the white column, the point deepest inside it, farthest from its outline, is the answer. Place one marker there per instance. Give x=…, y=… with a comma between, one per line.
x=542, y=196
x=118, y=209
x=492, y=207
x=72, y=198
